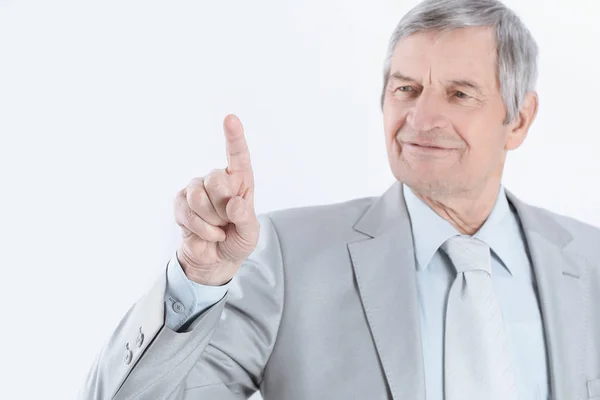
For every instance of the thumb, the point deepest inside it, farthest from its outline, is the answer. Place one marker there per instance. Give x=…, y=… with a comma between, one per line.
x=240, y=212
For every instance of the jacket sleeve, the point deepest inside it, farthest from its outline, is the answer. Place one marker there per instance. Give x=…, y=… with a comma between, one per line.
x=185, y=299
x=219, y=355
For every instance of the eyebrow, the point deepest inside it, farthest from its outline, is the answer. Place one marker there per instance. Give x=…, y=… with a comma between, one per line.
x=454, y=82
x=466, y=83
x=399, y=76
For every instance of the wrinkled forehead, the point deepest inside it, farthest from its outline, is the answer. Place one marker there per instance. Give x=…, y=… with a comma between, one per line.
x=463, y=53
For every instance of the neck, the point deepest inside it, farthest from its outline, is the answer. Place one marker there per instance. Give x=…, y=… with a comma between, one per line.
x=466, y=211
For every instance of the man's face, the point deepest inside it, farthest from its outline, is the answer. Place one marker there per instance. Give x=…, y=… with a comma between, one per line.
x=443, y=112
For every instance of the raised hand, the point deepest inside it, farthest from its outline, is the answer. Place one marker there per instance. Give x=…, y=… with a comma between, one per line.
x=216, y=215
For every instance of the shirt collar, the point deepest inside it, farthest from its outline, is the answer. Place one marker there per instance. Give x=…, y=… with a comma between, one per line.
x=430, y=230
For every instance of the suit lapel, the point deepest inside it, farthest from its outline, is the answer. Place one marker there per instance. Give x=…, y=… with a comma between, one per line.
x=560, y=283
x=384, y=266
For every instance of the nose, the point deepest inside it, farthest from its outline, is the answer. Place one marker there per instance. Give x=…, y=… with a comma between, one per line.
x=427, y=113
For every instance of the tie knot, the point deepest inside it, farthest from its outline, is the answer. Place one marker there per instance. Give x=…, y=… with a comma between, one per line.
x=468, y=254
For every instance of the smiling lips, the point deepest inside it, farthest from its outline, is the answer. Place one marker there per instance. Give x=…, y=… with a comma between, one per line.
x=426, y=149
x=424, y=142
x=427, y=146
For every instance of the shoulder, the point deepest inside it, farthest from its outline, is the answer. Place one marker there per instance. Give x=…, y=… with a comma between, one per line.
x=320, y=222
x=585, y=237
x=577, y=228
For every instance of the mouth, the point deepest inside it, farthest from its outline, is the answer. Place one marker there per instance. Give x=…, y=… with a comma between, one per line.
x=425, y=150
x=426, y=146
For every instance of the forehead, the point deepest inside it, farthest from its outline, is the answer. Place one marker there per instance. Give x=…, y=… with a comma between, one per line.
x=459, y=53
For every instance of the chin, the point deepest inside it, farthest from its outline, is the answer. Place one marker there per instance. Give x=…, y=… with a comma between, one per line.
x=424, y=182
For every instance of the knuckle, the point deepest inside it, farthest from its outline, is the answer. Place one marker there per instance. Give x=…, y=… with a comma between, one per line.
x=195, y=182
x=218, y=186
x=192, y=193
x=196, y=197
x=215, y=174
x=190, y=220
x=179, y=206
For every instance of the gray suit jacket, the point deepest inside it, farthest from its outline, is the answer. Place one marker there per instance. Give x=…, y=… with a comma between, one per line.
x=326, y=308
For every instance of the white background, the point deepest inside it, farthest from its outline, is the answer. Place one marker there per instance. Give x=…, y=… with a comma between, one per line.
x=107, y=108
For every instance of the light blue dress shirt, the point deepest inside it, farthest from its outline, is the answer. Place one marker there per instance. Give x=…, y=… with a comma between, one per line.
x=513, y=284
x=185, y=299
x=512, y=279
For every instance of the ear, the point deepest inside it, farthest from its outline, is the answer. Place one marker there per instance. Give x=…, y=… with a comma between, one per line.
x=520, y=126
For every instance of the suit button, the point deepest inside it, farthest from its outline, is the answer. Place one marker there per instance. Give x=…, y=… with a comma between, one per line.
x=128, y=355
x=140, y=339
x=178, y=307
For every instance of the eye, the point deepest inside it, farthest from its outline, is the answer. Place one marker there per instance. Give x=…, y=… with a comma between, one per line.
x=404, y=88
x=461, y=95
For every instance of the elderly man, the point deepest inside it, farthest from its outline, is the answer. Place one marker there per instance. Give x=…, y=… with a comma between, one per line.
x=445, y=287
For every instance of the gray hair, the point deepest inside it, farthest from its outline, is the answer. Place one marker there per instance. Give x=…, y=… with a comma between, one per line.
x=516, y=47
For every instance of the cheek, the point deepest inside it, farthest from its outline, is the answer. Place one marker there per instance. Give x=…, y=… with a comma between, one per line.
x=393, y=120
x=485, y=147
x=484, y=132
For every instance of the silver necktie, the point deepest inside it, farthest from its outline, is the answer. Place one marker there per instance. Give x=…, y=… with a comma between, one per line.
x=477, y=362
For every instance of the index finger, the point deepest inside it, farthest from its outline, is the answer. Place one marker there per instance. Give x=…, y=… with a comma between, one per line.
x=238, y=155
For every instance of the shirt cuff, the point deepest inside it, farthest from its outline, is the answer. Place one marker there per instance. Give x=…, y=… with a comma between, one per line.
x=185, y=299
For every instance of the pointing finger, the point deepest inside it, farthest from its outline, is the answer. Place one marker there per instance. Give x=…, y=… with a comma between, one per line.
x=238, y=155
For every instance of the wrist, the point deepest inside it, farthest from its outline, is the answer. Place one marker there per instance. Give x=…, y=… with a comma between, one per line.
x=206, y=278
